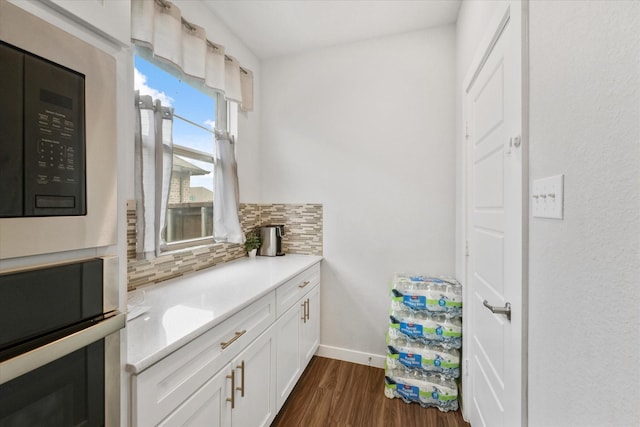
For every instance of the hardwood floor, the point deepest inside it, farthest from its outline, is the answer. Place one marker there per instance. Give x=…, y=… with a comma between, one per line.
x=333, y=393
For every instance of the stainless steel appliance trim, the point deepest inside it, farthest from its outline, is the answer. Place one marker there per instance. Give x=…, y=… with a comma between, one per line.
x=20, y=269
x=40, y=356
x=112, y=371
x=111, y=294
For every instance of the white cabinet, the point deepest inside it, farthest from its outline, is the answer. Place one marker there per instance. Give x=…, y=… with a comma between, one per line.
x=240, y=394
x=255, y=383
x=297, y=330
x=109, y=18
x=290, y=292
x=240, y=372
x=208, y=406
x=311, y=326
x=289, y=362
x=170, y=383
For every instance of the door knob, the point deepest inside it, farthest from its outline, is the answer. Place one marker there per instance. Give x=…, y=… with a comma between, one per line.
x=506, y=310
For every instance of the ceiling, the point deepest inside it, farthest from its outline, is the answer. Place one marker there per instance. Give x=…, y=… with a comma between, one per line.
x=273, y=28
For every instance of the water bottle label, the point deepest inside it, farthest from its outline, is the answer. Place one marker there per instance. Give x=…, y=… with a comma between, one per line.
x=443, y=302
x=415, y=302
x=443, y=395
x=439, y=362
x=452, y=332
x=411, y=360
x=411, y=329
x=409, y=392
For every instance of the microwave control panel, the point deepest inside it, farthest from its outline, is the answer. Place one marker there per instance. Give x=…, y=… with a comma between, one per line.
x=42, y=161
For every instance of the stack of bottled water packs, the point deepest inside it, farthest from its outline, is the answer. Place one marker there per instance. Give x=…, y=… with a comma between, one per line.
x=423, y=342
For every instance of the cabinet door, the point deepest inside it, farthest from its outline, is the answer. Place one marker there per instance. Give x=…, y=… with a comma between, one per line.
x=206, y=407
x=288, y=331
x=311, y=326
x=255, y=383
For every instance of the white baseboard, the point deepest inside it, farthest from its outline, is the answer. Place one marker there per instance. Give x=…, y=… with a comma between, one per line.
x=352, y=356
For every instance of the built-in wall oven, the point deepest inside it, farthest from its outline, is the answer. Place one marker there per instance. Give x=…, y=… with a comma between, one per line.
x=60, y=345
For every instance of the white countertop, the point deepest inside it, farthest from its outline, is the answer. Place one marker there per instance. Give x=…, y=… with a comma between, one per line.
x=179, y=310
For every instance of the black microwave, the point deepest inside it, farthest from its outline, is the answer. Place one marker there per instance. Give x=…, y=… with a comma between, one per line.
x=42, y=137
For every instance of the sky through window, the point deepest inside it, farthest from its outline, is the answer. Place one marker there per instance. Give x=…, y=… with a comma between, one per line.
x=187, y=102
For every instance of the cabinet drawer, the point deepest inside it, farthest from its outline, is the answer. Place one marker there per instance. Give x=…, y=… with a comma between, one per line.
x=164, y=386
x=291, y=291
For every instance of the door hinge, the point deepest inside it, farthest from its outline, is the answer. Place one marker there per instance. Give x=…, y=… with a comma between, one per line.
x=466, y=130
x=514, y=142
x=466, y=248
x=466, y=367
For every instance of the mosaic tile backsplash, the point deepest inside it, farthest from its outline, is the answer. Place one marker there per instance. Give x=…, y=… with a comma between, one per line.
x=303, y=235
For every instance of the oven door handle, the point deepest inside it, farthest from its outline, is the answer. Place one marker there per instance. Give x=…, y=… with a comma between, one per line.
x=26, y=362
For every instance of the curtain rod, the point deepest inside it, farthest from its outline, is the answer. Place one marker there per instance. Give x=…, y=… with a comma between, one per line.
x=214, y=132
x=184, y=119
x=193, y=123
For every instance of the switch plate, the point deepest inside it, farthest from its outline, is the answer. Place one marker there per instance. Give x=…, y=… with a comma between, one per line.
x=547, y=198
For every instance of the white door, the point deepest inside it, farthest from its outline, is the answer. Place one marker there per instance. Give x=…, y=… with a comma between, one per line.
x=493, y=395
x=311, y=326
x=288, y=358
x=255, y=383
x=206, y=407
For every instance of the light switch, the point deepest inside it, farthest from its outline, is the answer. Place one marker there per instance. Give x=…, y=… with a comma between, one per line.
x=547, y=197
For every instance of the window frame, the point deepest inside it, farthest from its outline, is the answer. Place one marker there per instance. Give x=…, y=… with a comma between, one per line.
x=222, y=124
x=224, y=117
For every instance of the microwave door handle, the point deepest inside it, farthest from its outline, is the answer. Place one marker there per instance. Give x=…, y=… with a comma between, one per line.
x=33, y=359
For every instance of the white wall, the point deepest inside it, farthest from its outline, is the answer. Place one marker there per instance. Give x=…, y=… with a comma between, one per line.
x=584, y=271
x=366, y=129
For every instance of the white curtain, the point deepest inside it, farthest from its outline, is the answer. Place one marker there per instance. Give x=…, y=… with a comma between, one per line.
x=226, y=199
x=153, y=165
x=159, y=26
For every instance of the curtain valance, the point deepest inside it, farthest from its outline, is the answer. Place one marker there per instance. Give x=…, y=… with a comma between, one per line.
x=159, y=26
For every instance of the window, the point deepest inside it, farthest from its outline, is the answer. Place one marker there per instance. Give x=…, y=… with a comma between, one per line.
x=189, y=217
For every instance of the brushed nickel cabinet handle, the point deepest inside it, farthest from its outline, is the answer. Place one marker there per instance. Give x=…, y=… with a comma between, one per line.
x=308, y=308
x=232, y=399
x=305, y=283
x=226, y=344
x=241, y=388
x=304, y=312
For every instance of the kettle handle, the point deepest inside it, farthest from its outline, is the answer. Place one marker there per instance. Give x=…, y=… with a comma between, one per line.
x=280, y=231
